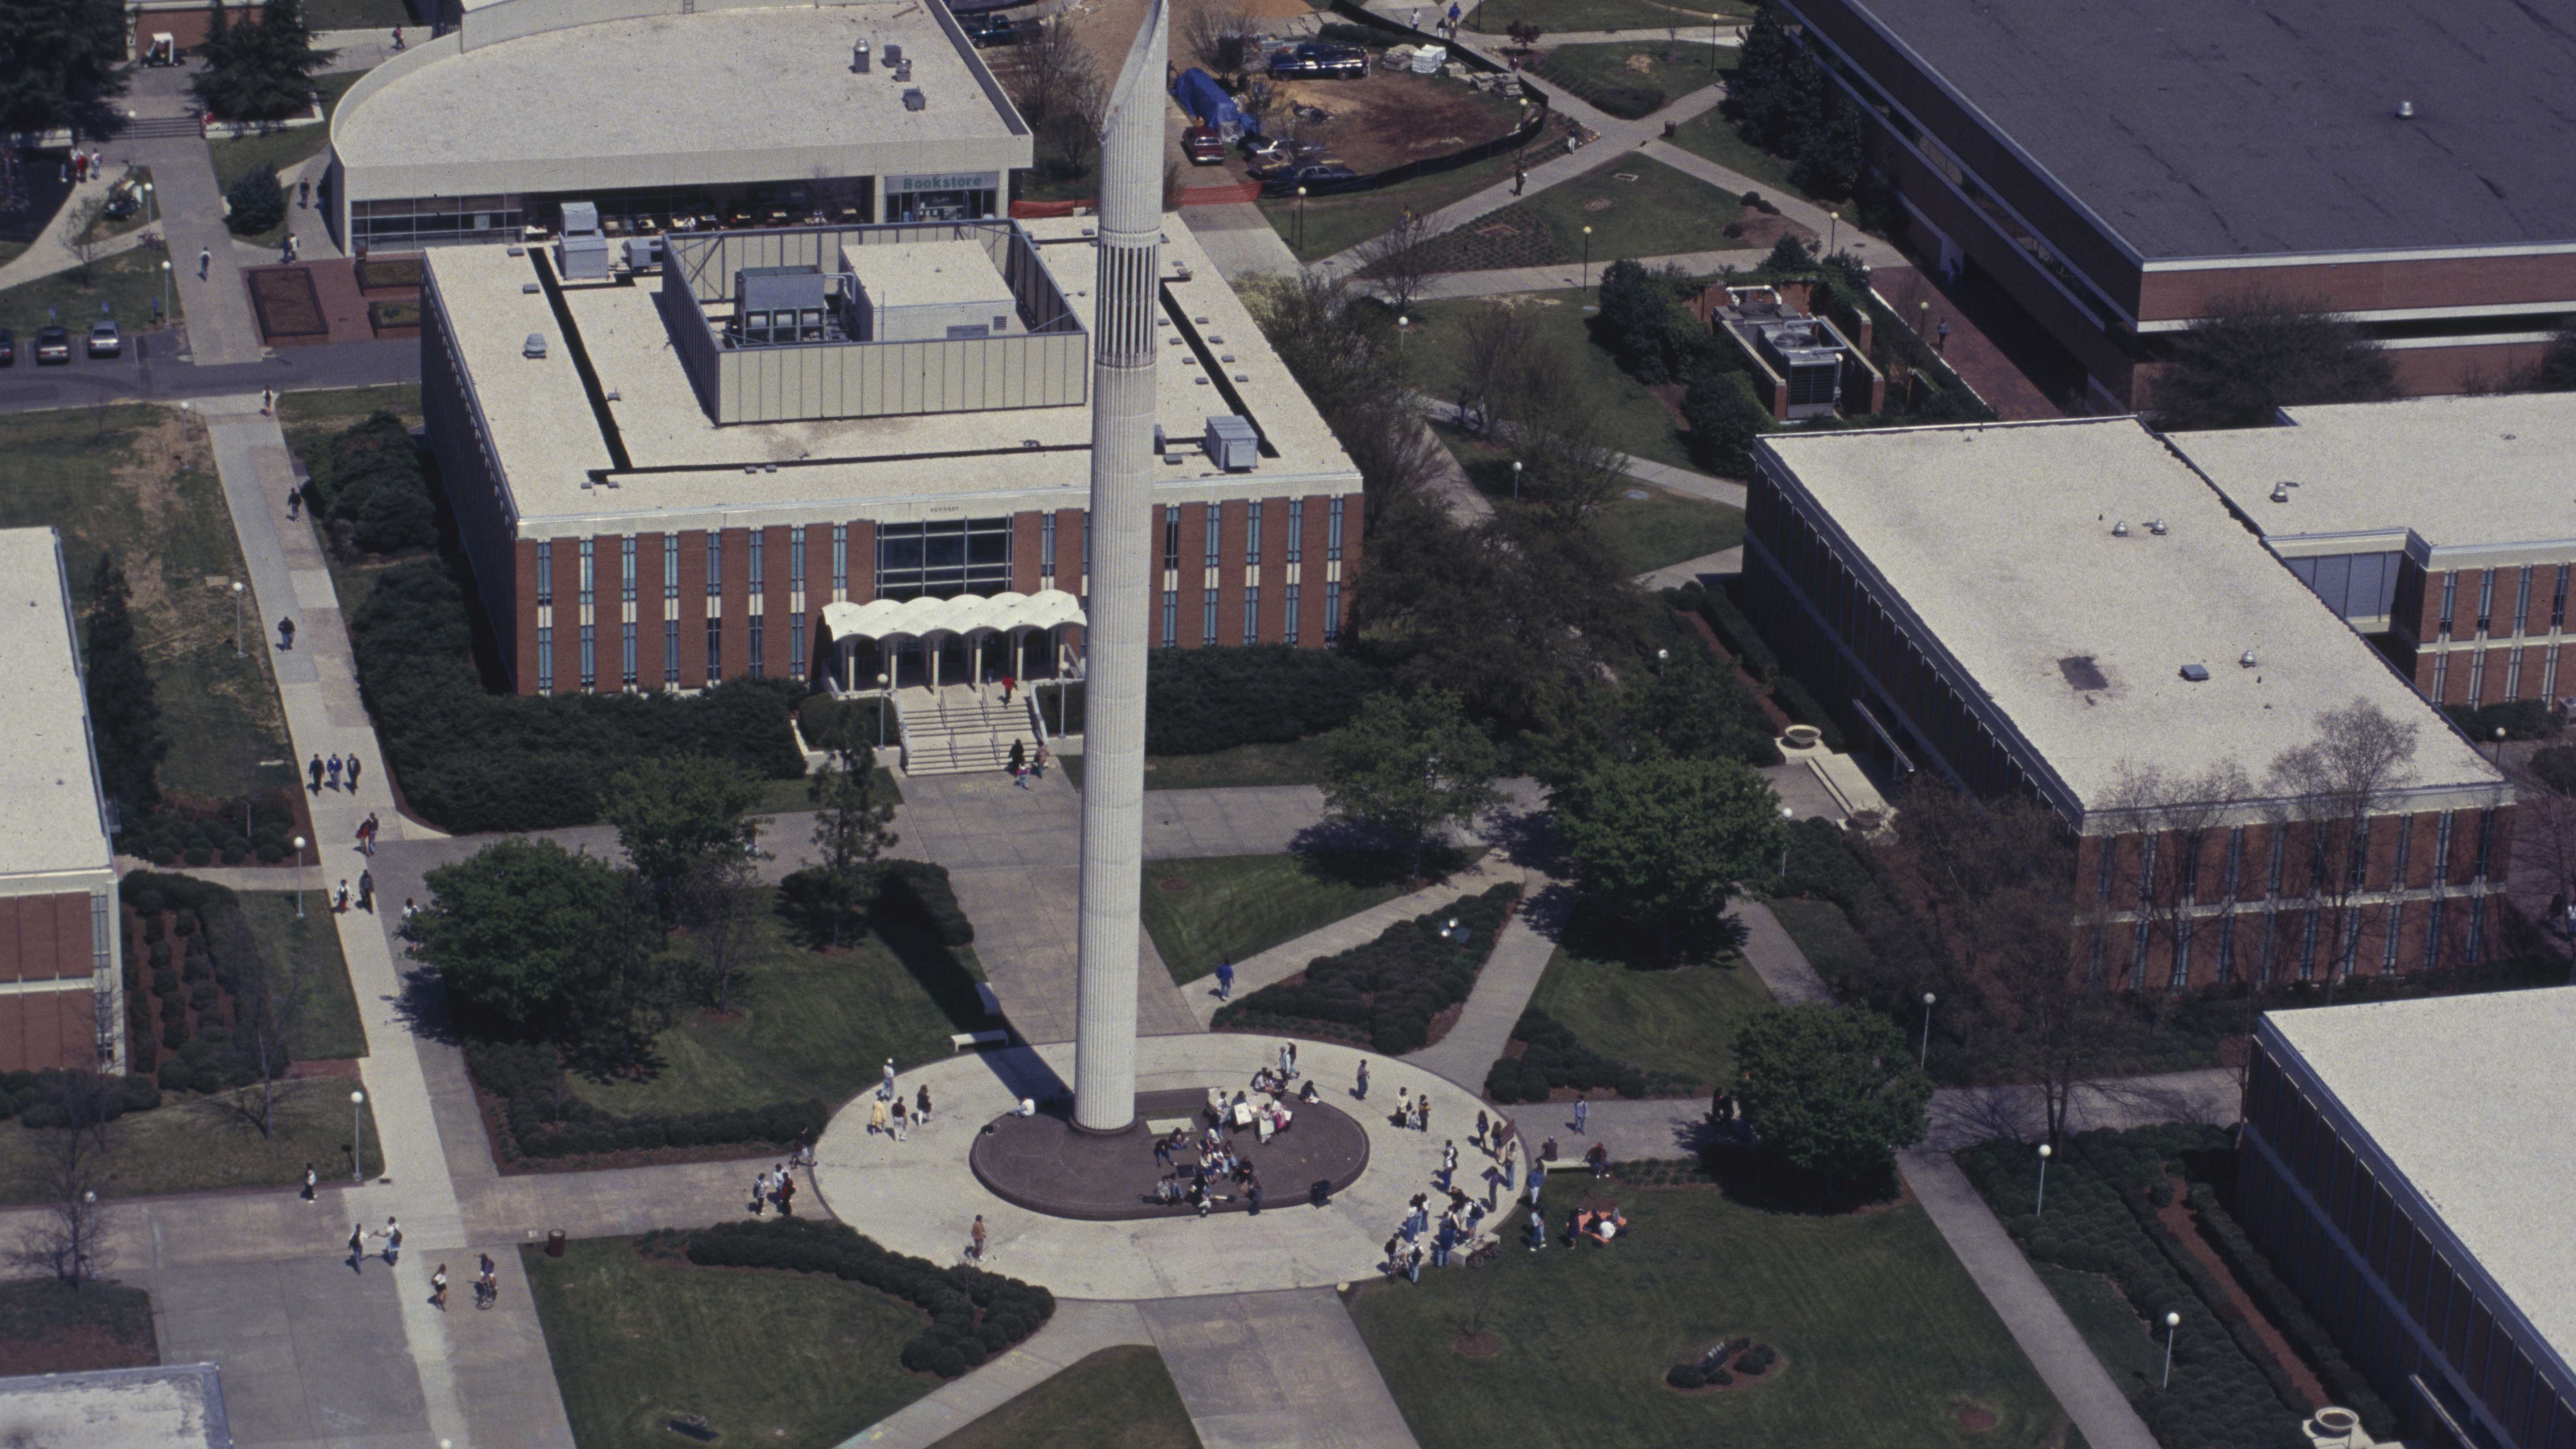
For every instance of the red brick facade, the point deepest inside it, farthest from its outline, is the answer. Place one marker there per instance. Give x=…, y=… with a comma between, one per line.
x=2517, y=649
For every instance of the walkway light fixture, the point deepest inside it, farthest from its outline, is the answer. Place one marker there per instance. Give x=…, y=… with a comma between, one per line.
x=237, y=618
x=165, y=289
x=2173, y=1330
x=2042, y=1201
x=299, y=877
x=1661, y=655
x=1833, y=229
x=1587, y=258
x=1926, y=1062
x=1787, y=817
x=1301, y=218
x=1516, y=480
x=884, y=699
x=357, y=1139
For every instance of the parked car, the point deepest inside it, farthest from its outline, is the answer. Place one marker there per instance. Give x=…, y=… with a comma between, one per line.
x=104, y=340
x=1327, y=58
x=53, y=344
x=1313, y=175
x=986, y=29
x=1204, y=145
x=8, y=348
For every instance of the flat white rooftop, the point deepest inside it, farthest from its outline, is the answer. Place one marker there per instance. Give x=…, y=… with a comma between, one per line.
x=172, y=1407
x=547, y=440
x=49, y=802
x=2000, y=541
x=2456, y=472
x=928, y=274
x=2469, y=1097
x=678, y=99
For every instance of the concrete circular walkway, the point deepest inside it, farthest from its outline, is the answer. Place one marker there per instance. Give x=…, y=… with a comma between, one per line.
x=919, y=1196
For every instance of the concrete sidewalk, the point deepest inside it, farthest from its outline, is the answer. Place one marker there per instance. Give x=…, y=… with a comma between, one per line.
x=1503, y=989
x=1273, y=1370
x=1290, y=957
x=1078, y=1330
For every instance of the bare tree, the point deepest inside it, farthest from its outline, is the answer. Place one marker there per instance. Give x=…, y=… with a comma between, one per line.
x=82, y=235
x=1056, y=83
x=2057, y=1020
x=69, y=1239
x=1568, y=466
x=2179, y=818
x=719, y=902
x=2332, y=789
x=1216, y=36
x=1495, y=336
x=268, y=1001
x=1398, y=260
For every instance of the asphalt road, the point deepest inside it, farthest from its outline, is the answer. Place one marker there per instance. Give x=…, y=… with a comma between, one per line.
x=148, y=371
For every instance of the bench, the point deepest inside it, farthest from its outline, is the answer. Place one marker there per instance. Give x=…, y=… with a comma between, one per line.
x=1567, y=1164
x=984, y=993
x=964, y=1039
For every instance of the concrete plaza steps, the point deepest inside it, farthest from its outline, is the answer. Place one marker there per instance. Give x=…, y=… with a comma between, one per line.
x=957, y=729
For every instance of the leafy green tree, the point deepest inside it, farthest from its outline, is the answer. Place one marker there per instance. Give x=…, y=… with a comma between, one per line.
x=125, y=715
x=851, y=829
x=2256, y=353
x=257, y=203
x=1724, y=420
x=676, y=813
x=58, y=60
x=1835, y=1092
x=542, y=940
x=2557, y=372
x=262, y=69
x=1411, y=765
x=1661, y=842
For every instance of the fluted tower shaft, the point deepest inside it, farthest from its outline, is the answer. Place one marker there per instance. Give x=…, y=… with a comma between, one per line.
x=1122, y=462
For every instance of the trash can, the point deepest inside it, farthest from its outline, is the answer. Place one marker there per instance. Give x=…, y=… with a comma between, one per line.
x=555, y=1243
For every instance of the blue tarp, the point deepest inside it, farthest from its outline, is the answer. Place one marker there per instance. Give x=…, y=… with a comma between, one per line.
x=1201, y=96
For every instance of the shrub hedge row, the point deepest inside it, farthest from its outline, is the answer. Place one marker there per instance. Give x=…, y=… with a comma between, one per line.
x=973, y=1314
x=540, y=1118
x=1199, y=701
x=1552, y=1056
x=472, y=761
x=1736, y=632
x=373, y=490
x=2280, y=1303
x=1386, y=992
x=40, y=1099
x=2520, y=719
x=919, y=890
x=2103, y=1192
x=196, y=970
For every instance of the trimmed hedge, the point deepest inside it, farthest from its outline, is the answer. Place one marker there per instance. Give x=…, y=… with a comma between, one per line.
x=198, y=969
x=475, y=762
x=919, y=891
x=2520, y=719
x=39, y=1099
x=1199, y=701
x=1733, y=629
x=541, y=1119
x=973, y=1314
x=1553, y=1057
x=1386, y=992
x=373, y=489
x=2280, y=1303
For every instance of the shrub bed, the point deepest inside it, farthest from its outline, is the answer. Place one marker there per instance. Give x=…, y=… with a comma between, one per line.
x=1383, y=994
x=1736, y=632
x=539, y=1117
x=1553, y=1057
x=1199, y=701
x=2280, y=1303
x=919, y=891
x=2103, y=1192
x=973, y=1314
x=2520, y=719
x=476, y=762
x=177, y=829
x=372, y=490
x=187, y=941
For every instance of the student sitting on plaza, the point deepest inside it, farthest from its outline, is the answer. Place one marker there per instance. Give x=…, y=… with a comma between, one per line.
x=1606, y=1225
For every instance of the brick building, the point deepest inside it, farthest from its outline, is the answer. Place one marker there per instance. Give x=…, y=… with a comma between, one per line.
x=62, y=984
x=696, y=482
x=2443, y=524
x=2113, y=166
x=2055, y=609
x=2405, y=1166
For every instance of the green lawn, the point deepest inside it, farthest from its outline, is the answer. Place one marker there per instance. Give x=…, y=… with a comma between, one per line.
x=324, y=1025
x=1634, y=419
x=1676, y=68
x=791, y=1360
x=1661, y=213
x=140, y=479
x=237, y=157
x=1118, y=1398
x=1712, y=135
x=1497, y=16
x=204, y=1144
x=49, y=1327
x=129, y=284
x=1884, y=1335
x=782, y=797
x=1229, y=907
x=1682, y=1021
x=807, y=1023
x=1301, y=763
x=1334, y=223
x=1665, y=528
x=1825, y=936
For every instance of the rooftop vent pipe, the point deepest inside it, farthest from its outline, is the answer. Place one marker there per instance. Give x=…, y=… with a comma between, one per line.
x=2120, y=529
x=535, y=345
x=2280, y=492
x=2405, y=110
x=2245, y=660
x=2156, y=526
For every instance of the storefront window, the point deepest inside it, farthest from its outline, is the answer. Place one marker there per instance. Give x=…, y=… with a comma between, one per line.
x=944, y=558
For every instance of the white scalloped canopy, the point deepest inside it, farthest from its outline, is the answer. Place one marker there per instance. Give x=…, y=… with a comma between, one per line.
x=965, y=614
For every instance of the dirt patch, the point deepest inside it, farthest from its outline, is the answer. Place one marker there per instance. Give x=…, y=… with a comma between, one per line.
x=1390, y=118
x=1512, y=237
x=346, y=1069
x=1476, y=1345
x=1440, y=1024
x=73, y=1350
x=287, y=304
x=1973, y=1417
x=1754, y=227
x=2177, y=1217
x=1173, y=884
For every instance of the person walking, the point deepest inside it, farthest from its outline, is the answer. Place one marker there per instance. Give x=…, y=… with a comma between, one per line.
x=1287, y=1062
x=374, y=828
x=353, y=772
x=487, y=1282
x=978, y=1237
x=1038, y=763
x=1520, y=176
x=1448, y=1163
x=367, y=891
x=1538, y=1179
x=340, y=902
x=357, y=1247
x=1582, y=1114
x=1010, y=683
x=1422, y=1113
x=1252, y=1192
x=876, y=1116
x=1941, y=337
x=438, y=1288
x=315, y=770
x=1019, y=757
x=331, y=767
x=294, y=503
x=787, y=1195
x=1483, y=1123
x=205, y=259
x=1361, y=1091
x=304, y=195
x=902, y=1119
x=921, y=1106
x=286, y=635
x=1225, y=980
x=1413, y=1264
x=885, y=1088
x=1537, y=1231
x=311, y=1181
x=760, y=1195
x=393, y=1241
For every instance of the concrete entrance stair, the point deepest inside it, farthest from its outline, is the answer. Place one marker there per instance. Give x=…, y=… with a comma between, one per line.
x=957, y=729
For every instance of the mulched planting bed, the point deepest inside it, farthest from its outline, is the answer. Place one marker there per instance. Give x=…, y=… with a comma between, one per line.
x=1511, y=237
x=287, y=303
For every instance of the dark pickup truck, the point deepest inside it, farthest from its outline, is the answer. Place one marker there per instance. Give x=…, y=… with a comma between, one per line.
x=1324, y=58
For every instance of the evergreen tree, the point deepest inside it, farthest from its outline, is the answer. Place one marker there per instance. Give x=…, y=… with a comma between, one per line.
x=58, y=58
x=125, y=718
x=1724, y=420
x=850, y=826
x=260, y=70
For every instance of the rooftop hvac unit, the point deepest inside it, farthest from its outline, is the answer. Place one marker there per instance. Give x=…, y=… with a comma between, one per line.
x=859, y=58
x=903, y=73
x=894, y=52
x=643, y=252
x=1232, y=443
x=580, y=217
x=535, y=346
x=584, y=257
x=914, y=100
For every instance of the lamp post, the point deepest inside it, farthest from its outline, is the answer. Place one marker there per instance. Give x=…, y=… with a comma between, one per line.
x=1926, y=1062
x=2040, y=1203
x=884, y=698
x=357, y=1139
x=1516, y=480
x=1833, y=229
x=151, y=207
x=2173, y=1329
x=165, y=289
x=299, y=877
x=1587, y=258
x=1923, y=318
x=1403, y=325
x=1787, y=815
x=1301, y=218
x=1660, y=656
x=237, y=618
x=2499, y=749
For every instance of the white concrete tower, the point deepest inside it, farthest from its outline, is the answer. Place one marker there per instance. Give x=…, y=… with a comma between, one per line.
x=1122, y=477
